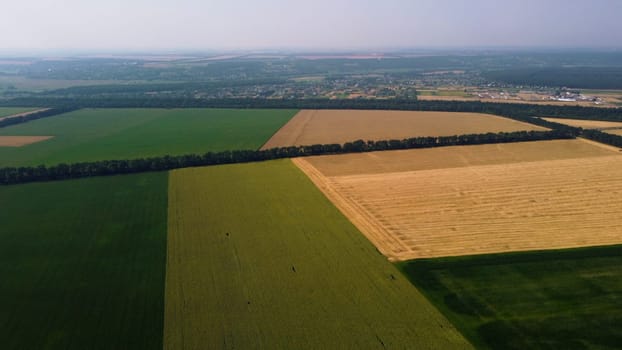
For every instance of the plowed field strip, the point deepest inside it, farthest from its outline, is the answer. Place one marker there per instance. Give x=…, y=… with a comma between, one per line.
x=19, y=141
x=20, y=114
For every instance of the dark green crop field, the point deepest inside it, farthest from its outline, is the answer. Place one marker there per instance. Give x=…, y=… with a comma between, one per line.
x=82, y=263
x=106, y=134
x=537, y=300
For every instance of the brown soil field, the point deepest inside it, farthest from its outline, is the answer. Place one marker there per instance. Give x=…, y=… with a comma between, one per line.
x=23, y=114
x=496, y=205
x=585, y=124
x=310, y=127
x=19, y=141
x=615, y=132
x=455, y=157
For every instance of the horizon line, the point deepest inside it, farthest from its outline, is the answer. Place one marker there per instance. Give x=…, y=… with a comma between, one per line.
x=293, y=50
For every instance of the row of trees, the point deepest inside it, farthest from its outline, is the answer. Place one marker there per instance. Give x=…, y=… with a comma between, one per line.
x=603, y=137
x=575, y=77
x=504, y=109
x=37, y=115
x=524, y=113
x=13, y=175
x=594, y=135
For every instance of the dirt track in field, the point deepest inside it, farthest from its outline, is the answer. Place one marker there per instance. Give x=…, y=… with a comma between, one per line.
x=19, y=141
x=585, y=124
x=310, y=127
x=496, y=207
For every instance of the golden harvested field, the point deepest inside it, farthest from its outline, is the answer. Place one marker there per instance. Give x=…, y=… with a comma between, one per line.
x=310, y=127
x=19, y=141
x=615, y=132
x=455, y=156
x=585, y=124
x=496, y=205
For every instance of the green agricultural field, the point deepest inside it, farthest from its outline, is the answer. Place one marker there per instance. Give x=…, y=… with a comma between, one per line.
x=537, y=300
x=82, y=263
x=259, y=258
x=105, y=134
x=8, y=111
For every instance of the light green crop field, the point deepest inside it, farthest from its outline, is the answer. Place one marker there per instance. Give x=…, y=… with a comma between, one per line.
x=8, y=111
x=82, y=263
x=259, y=258
x=110, y=134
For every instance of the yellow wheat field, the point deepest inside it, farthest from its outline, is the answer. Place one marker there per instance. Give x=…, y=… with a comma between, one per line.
x=477, y=209
x=585, y=124
x=457, y=156
x=310, y=127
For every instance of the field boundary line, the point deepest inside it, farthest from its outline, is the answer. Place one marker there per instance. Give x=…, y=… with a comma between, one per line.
x=387, y=244
x=298, y=126
x=601, y=145
x=308, y=118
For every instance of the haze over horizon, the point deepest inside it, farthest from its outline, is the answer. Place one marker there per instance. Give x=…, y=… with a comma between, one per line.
x=347, y=24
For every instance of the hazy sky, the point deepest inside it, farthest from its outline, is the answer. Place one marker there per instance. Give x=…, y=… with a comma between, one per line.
x=248, y=24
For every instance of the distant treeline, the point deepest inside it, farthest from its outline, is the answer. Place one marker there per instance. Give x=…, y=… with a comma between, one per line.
x=503, y=109
x=33, y=116
x=110, y=89
x=572, y=77
x=12, y=175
